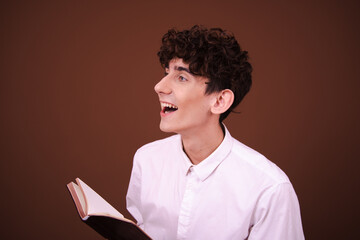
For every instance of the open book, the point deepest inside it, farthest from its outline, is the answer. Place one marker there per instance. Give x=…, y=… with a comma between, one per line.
x=101, y=216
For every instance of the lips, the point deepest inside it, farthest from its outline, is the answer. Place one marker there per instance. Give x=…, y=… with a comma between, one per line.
x=167, y=107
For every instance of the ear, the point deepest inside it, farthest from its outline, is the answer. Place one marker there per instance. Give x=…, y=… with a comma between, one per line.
x=222, y=102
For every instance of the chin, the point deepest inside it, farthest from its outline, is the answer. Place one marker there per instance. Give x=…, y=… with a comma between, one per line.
x=167, y=128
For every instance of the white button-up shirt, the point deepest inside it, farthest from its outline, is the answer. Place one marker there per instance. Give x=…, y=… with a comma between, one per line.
x=235, y=193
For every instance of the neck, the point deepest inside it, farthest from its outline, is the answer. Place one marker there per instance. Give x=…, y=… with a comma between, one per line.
x=202, y=142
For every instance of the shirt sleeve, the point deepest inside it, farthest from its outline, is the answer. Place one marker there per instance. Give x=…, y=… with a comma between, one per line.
x=133, y=197
x=277, y=215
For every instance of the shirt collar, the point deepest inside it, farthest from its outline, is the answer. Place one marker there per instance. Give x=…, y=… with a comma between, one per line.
x=209, y=164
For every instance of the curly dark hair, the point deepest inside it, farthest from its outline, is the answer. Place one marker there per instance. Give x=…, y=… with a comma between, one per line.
x=212, y=53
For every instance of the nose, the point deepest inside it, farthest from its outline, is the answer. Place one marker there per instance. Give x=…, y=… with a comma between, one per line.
x=163, y=86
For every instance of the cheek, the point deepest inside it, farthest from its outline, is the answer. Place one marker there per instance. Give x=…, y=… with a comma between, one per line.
x=198, y=107
x=194, y=100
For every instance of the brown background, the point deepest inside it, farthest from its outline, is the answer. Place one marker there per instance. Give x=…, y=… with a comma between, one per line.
x=77, y=100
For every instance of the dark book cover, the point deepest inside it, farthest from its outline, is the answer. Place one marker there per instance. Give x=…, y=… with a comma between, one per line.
x=114, y=229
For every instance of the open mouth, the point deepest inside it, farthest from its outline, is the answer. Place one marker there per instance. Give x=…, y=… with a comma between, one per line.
x=168, y=108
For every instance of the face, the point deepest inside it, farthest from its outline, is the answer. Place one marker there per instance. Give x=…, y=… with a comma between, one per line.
x=184, y=105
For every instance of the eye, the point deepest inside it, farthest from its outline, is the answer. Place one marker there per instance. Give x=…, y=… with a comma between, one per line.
x=182, y=79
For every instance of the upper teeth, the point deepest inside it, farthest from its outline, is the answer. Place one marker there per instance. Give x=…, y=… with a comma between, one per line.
x=169, y=105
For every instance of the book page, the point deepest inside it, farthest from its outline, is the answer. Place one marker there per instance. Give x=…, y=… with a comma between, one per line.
x=77, y=196
x=96, y=205
x=80, y=196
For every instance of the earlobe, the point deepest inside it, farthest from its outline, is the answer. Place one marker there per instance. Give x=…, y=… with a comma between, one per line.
x=223, y=101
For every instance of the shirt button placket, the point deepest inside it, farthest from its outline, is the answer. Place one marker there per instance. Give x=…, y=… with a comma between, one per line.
x=186, y=206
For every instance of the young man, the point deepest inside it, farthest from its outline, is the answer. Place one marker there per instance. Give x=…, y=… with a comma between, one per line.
x=201, y=183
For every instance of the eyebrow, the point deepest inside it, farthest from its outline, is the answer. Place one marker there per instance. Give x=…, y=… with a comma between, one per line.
x=178, y=68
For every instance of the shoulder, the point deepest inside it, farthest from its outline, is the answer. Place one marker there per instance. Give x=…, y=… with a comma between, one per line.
x=158, y=147
x=257, y=164
x=159, y=144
